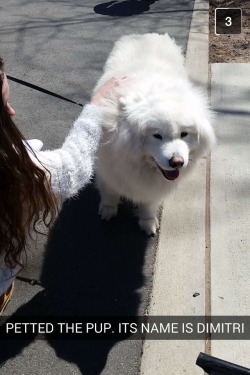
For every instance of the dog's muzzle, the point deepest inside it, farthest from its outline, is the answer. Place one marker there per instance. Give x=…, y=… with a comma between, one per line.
x=176, y=162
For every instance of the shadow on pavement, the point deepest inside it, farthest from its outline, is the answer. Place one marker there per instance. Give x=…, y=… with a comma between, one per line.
x=123, y=8
x=91, y=268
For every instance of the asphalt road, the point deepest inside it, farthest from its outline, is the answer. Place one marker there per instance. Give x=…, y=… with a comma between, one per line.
x=85, y=267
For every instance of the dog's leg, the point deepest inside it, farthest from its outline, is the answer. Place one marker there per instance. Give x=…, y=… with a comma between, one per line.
x=148, y=221
x=108, y=205
x=109, y=201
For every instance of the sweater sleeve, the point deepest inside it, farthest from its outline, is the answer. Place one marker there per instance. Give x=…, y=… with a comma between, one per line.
x=71, y=166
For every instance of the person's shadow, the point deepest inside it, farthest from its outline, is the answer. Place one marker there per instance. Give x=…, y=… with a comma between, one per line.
x=123, y=8
x=91, y=268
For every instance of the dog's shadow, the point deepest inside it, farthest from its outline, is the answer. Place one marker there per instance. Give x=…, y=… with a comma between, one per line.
x=123, y=8
x=91, y=268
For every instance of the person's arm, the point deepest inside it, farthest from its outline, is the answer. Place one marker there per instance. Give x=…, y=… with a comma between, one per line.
x=71, y=166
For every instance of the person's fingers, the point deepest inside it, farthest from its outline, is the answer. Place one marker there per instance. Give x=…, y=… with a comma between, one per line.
x=108, y=89
x=120, y=78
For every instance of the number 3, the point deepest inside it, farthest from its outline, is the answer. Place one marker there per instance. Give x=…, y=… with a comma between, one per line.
x=228, y=21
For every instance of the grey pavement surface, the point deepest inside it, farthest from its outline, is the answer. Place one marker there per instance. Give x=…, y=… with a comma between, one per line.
x=86, y=267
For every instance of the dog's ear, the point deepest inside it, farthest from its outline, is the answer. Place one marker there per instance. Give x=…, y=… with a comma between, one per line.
x=130, y=104
x=122, y=102
x=122, y=105
x=206, y=136
x=130, y=99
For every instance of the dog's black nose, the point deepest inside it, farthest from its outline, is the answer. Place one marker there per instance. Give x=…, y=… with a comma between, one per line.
x=176, y=161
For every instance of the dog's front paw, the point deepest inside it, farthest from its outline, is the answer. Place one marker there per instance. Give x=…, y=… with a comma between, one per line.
x=107, y=212
x=149, y=226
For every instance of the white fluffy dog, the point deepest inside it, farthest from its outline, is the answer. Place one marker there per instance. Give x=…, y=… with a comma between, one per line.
x=153, y=129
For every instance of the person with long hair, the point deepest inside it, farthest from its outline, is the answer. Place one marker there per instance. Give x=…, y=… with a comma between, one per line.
x=33, y=185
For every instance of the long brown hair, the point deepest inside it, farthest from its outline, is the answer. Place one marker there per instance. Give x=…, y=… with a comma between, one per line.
x=26, y=198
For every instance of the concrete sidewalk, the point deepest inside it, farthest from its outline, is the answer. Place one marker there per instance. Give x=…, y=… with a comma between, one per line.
x=203, y=257
x=230, y=203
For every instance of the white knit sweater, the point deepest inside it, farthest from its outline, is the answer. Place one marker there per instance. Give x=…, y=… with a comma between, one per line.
x=70, y=167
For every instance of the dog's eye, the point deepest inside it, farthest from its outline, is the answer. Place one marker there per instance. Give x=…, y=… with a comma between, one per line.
x=158, y=136
x=184, y=134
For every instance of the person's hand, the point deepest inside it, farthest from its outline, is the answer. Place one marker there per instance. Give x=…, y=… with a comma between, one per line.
x=106, y=90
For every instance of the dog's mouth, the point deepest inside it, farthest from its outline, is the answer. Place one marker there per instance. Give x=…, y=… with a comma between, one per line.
x=170, y=175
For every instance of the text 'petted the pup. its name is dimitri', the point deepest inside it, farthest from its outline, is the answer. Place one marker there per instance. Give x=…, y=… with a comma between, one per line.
x=155, y=328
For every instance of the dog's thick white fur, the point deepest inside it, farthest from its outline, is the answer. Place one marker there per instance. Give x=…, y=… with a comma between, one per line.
x=154, y=127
